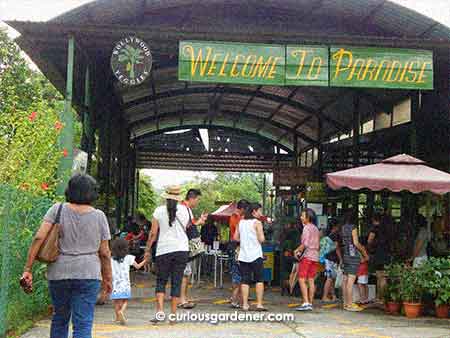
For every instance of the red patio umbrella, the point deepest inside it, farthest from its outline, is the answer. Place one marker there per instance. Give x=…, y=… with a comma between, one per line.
x=224, y=212
x=397, y=173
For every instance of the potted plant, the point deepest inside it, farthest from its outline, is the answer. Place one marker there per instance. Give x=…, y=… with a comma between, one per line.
x=436, y=281
x=392, y=296
x=411, y=289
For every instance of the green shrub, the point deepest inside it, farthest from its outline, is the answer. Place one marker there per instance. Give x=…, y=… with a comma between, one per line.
x=392, y=292
x=436, y=279
x=21, y=214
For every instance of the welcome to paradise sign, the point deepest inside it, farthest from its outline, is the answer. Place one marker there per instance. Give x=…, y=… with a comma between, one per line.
x=305, y=65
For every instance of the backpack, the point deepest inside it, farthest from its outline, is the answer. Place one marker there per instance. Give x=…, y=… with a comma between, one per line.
x=326, y=246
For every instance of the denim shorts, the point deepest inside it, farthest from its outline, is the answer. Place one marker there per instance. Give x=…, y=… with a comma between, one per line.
x=330, y=269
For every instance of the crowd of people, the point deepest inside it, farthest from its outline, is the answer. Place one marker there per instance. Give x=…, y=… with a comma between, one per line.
x=87, y=261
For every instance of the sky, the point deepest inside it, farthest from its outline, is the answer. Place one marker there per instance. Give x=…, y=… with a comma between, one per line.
x=439, y=10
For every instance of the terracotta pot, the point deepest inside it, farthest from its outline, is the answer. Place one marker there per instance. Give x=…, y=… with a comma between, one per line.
x=393, y=308
x=412, y=310
x=442, y=310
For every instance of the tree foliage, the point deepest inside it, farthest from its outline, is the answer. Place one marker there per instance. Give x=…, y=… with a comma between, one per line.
x=29, y=123
x=148, y=199
x=228, y=187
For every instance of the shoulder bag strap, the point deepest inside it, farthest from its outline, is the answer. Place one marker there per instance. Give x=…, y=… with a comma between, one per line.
x=58, y=214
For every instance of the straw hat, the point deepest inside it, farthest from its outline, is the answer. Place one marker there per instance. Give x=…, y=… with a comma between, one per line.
x=172, y=192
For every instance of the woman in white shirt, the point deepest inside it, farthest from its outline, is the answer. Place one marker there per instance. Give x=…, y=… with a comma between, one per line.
x=172, y=248
x=250, y=233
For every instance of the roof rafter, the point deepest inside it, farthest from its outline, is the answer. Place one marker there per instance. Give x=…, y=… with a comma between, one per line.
x=244, y=92
x=151, y=119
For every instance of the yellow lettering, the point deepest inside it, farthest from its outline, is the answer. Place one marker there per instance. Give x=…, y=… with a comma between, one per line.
x=301, y=63
x=233, y=71
x=411, y=71
x=222, y=69
x=422, y=71
x=273, y=69
x=212, y=67
x=380, y=66
x=394, y=64
x=355, y=65
x=247, y=61
x=403, y=72
x=261, y=67
x=311, y=68
x=369, y=70
x=197, y=61
x=339, y=56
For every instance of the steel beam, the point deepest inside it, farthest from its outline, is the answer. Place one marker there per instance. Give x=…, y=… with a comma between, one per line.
x=151, y=119
x=66, y=135
x=239, y=91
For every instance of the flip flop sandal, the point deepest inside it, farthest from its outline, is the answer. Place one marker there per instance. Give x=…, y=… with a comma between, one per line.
x=261, y=309
x=186, y=306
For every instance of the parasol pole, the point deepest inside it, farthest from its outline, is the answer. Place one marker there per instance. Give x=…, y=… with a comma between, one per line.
x=428, y=212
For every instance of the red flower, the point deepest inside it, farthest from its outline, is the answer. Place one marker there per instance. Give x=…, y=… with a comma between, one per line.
x=44, y=186
x=65, y=152
x=32, y=116
x=58, y=125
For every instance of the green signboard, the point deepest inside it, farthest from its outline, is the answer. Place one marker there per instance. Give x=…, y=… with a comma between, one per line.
x=231, y=63
x=381, y=68
x=305, y=65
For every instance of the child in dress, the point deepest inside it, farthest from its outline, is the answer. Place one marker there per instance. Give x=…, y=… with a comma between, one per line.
x=121, y=262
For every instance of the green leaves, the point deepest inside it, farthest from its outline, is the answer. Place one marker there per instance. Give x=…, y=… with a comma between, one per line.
x=29, y=112
x=147, y=197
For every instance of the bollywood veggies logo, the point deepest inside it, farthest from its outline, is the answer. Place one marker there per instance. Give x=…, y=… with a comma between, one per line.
x=131, y=61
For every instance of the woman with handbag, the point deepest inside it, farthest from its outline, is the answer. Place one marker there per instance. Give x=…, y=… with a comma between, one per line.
x=172, y=250
x=82, y=258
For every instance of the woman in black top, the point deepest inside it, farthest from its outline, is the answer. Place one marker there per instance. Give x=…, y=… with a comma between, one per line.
x=379, y=245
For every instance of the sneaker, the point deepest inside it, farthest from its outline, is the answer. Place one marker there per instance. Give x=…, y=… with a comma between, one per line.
x=304, y=307
x=353, y=308
x=235, y=305
x=158, y=318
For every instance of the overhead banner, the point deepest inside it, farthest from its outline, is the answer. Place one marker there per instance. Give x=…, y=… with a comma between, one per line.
x=381, y=68
x=305, y=65
x=231, y=63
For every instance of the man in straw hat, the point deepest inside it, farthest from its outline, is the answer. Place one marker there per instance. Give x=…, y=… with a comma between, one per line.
x=190, y=202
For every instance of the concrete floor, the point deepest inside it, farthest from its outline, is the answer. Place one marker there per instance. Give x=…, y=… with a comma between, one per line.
x=326, y=321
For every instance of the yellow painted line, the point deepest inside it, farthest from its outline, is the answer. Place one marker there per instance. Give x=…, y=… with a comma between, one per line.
x=330, y=306
x=149, y=300
x=46, y=325
x=140, y=286
x=222, y=301
x=294, y=305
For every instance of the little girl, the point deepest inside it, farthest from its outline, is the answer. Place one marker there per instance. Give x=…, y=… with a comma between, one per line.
x=121, y=262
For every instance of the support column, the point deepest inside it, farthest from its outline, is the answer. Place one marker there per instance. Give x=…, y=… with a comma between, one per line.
x=320, y=149
x=295, y=161
x=88, y=131
x=136, y=189
x=355, y=148
x=66, y=135
x=432, y=122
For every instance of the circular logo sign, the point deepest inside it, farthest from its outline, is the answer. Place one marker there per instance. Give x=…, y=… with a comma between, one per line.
x=131, y=61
